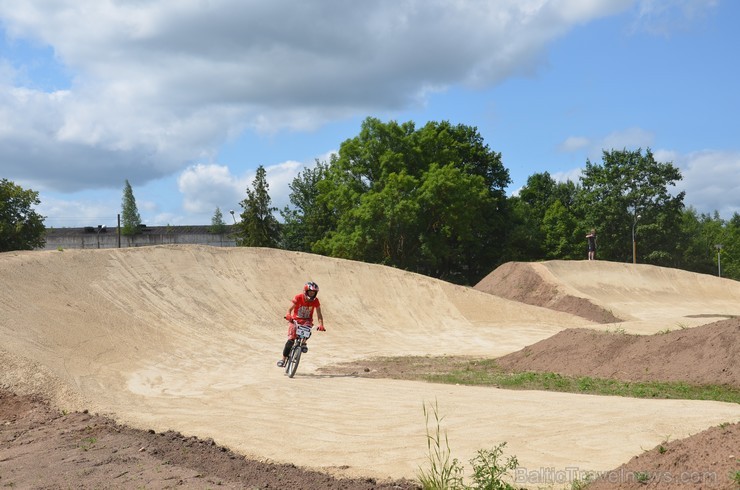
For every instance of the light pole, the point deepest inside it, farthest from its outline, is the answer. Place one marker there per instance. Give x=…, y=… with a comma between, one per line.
x=232, y=216
x=634, y=242
x=100, y=228
x=719, y=263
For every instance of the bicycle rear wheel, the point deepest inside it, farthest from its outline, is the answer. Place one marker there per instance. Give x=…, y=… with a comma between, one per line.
x=293, y=359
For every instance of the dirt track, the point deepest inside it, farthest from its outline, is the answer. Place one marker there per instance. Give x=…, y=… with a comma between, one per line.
x=185, y=338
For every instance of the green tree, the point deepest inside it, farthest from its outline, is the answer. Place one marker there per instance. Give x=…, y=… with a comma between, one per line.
x=218, y=226
x=545, y=222
x=130, y=213
x=699, y=235
x=629, y=191
x=21, y=228
x=730, y=253
x=428, y=200
x=454, y=207
x=259, y=227
x=563, y=236
x=308, y=220
x=710, y=244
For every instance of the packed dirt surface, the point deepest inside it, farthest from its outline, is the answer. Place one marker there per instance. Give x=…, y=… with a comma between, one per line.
x=705, y=355
x=701, y=356
x=180, y=343
x=43, y=448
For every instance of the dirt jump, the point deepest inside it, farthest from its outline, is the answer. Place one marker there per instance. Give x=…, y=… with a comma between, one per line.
x=183, y=340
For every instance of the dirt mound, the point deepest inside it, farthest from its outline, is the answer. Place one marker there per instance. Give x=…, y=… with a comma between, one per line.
x=709, y=459
x=520, y=282
x=81, y=450
x=183, y=340
x=704, y=355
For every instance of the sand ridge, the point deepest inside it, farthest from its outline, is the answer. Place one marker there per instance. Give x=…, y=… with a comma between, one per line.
x=186, y=337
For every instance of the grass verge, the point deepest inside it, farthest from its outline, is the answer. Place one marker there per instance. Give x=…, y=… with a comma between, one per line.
x=488, y=373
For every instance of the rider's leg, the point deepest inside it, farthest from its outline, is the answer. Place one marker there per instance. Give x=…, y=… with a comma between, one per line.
x=288, y=344
x=286, y=349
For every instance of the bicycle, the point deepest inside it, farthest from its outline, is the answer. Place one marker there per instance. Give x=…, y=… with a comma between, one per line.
x=303, y=333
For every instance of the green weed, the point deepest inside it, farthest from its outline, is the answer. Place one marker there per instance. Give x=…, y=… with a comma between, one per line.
x=88, y=443
x=446, y=473
x=489, y=469
x=642, y=476
x=582, y=484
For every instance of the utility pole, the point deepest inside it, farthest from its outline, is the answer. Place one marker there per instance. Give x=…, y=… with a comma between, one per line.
x=634, y=242
x=719, y=259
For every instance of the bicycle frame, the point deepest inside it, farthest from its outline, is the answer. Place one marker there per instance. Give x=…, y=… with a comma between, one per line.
x=303, y=333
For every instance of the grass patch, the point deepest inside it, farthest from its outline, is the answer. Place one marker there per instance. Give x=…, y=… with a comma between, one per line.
x=488, y=373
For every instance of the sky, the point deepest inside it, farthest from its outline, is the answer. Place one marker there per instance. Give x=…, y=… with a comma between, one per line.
x=185, y=99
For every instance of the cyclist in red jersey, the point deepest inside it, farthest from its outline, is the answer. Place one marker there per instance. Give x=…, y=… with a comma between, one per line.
x=301, y=310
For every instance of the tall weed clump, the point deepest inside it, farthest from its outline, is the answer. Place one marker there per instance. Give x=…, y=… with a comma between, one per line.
x=446, y=473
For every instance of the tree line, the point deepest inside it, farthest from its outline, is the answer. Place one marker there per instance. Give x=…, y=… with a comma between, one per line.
x=432, y=200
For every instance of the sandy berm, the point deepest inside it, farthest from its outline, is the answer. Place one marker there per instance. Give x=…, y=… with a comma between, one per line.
x=185, y=338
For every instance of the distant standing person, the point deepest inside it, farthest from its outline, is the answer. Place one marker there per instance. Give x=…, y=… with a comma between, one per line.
x=591, y=237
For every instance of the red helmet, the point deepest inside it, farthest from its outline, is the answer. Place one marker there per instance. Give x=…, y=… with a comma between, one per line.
x=308, y=287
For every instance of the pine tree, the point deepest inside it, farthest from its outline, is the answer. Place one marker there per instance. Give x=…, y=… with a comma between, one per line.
x=218, y=226
x=131, y=218
x=259, y=227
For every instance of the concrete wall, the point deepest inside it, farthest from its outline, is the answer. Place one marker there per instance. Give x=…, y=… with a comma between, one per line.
x=110, y=240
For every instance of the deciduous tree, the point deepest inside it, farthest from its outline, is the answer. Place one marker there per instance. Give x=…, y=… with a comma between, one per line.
x=428, y=200
x=307, y=220
x=630, y=190
x=21, y=227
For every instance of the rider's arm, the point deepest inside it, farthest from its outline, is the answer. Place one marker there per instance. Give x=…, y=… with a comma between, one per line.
x=319, y=316
x=289, y=315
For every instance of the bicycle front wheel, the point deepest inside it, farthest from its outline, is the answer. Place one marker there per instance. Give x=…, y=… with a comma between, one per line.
x=293, y=359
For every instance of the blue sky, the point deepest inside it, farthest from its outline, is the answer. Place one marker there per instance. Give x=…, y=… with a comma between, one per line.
x=185, y=99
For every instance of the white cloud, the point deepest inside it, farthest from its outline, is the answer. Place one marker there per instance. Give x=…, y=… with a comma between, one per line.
x=630, y=138
x=156, y=86
x=618, y=140
x=663, y=17
x=206, y=187
x=574, y=143
x=711, y=180
x=573, y=175
x=84, y=212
